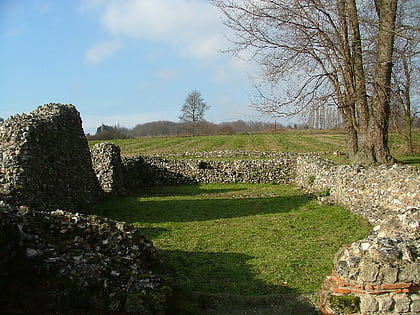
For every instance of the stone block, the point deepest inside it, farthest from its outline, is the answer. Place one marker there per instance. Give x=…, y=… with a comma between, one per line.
x=410, y=273
x=368, y=271
x=386, y=303
x=415, y=303
x=368, y=304
x=402, y=303
x=389, y=274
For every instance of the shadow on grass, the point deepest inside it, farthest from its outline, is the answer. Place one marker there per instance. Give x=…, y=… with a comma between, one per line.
x=133, y=210
x=408, y=160
x=190, y=190
x=200, y=273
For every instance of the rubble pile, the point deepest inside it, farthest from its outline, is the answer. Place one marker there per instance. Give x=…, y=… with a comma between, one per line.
x=65, y=261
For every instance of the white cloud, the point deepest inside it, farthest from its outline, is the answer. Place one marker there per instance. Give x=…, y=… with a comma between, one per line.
x=101, y=51
x=192, y=26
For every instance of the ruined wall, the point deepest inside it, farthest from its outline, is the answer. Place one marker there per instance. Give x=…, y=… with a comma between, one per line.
x=140, y=171
x=56, y=261
x=45, y=160
x=381, y=273
x=371, y=192
x=107, y=165
x=278, y=170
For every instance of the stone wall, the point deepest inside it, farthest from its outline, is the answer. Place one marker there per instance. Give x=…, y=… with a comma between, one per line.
x=45, y=160
x=106, y=162
x=371, y=192
x=381, y=273
x=278, y=170
x=54, y=261
x=140, y=171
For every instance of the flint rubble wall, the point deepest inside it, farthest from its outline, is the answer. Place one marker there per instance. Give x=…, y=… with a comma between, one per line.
x=45, y=160
x=381, y=273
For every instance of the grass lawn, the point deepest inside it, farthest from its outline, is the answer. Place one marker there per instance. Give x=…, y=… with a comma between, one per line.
x=326, y=141
x=240, y=239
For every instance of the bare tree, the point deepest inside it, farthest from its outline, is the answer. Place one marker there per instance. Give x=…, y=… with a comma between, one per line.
x=192, y=112
x=323, y=49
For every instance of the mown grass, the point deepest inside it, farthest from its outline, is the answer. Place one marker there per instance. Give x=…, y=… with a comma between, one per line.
x=284, y=141
x=240, y=238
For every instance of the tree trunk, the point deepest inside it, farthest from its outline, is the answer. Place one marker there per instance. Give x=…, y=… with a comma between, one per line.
x=379, y=123
x=371, y=123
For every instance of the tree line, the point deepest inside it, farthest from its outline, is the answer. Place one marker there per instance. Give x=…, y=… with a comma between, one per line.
x=203, y=128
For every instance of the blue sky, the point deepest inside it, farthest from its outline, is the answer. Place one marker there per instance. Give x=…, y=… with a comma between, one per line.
x=125, y=61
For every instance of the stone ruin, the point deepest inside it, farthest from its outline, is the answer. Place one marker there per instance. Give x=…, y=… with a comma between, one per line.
x=381, y=273
x=46, y=165
x=52, y=258
x=45, y=160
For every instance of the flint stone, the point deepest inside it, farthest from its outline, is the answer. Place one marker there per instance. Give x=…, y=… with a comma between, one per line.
x=402, y=303
x=415, y=304
x=368, y=304
x=368, y=271
x=386, y=303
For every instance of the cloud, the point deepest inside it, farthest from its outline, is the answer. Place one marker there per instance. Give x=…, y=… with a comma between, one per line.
x=101, y=51
x=192, y=26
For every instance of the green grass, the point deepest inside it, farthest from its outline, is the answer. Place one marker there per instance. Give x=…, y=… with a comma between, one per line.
x=284, y=141
x=240, y=238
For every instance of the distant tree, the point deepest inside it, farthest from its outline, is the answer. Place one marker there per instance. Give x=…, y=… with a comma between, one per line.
x=104, y=128
x=1, y=119
x=156, y=128
x=192, y=112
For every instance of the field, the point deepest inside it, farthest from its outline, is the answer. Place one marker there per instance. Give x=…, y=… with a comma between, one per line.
x=325, y=142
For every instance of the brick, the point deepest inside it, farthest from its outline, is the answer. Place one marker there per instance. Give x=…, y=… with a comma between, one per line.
x=396, y=286
x=342, y=291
